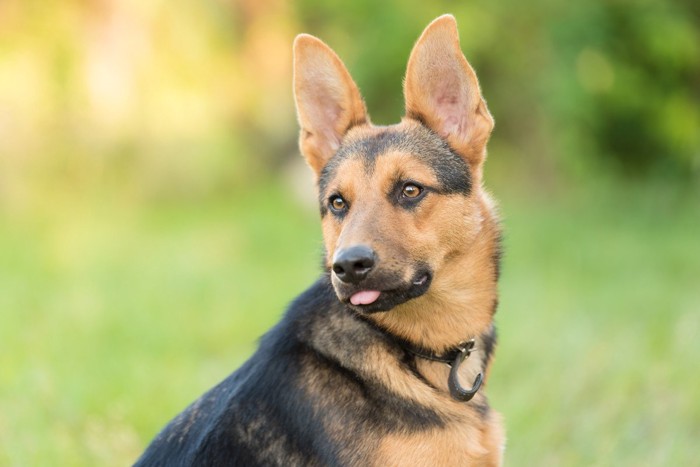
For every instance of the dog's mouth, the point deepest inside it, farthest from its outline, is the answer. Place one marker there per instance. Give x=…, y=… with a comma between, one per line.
x=370, y=297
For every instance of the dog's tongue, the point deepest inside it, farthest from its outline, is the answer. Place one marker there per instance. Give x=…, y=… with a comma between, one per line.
x=364, y=297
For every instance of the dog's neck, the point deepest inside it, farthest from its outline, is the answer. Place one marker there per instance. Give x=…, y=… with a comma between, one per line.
x=432, y=368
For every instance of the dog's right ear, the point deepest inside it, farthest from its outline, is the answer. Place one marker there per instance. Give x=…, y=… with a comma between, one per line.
x=327, y=99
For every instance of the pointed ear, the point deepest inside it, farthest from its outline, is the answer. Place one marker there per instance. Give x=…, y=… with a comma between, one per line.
x=328, y=101
x=441, y=90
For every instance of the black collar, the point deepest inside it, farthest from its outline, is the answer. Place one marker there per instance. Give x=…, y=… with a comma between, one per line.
x=448, y=357
x=453, y=358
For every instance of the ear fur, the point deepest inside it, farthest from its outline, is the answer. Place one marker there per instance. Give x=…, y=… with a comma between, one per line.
x=327, y=99
x=442, y=91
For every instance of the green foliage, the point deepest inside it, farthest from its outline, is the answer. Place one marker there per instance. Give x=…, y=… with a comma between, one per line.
x=611, y=84
x=632, y=72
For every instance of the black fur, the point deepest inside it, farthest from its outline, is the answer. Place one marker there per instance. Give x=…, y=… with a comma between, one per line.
x=497, y=258
x=265, y=413
x=488, y=341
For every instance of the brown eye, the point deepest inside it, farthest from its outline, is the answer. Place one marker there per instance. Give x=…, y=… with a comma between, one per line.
x=411, y=191
x=337, y=203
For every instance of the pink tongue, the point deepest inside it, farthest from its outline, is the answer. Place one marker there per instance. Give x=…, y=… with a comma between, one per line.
x=364, y=297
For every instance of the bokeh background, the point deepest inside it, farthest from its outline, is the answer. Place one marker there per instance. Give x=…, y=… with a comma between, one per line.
x=156, y=217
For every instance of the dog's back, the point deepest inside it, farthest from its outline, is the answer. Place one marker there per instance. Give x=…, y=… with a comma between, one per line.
x=261, y=414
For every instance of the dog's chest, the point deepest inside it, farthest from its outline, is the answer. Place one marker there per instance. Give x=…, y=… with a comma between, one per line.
x=453, y=445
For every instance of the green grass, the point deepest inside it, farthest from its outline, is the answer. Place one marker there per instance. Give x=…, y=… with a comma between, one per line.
x=600, y=330
x=116, y=315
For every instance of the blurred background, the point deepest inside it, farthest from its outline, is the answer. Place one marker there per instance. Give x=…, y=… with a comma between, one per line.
x=156, y=217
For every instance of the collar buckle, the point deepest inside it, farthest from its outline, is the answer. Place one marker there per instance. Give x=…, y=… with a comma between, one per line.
x=467, y=346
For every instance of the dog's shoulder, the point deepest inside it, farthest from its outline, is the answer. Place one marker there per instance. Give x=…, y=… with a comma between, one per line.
x=258, y=414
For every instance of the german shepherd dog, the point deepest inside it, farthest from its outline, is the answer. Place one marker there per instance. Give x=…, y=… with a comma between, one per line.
x=381, y=361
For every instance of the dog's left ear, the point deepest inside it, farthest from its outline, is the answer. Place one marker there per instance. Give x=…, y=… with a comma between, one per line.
x=328, y=100
x=441, y=90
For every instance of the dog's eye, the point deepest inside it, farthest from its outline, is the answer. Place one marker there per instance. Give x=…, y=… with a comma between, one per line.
x=411, y=191
x=337, y=203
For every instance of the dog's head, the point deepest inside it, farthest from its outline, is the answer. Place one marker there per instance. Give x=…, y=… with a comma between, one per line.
x=402, y=205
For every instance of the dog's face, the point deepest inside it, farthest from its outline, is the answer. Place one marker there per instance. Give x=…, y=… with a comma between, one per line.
x=392, y=202
x=402, y=203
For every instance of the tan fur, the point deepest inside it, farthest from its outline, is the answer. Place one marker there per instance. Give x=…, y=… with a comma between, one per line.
x=465, y=442
x=457, y=235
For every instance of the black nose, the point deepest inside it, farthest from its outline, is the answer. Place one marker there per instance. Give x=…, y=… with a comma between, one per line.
x=354, y=263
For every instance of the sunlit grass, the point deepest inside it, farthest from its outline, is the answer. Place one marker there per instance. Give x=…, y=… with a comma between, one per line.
x=117, y=315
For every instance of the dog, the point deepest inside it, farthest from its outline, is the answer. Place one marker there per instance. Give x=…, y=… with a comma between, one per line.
x=383, y=360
